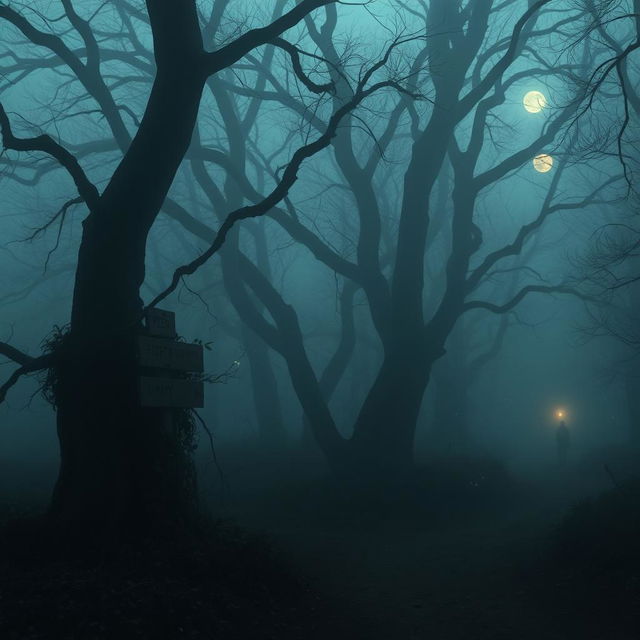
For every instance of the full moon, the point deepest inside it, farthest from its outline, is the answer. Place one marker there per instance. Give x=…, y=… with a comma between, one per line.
x=543, y=163
x=534, y=101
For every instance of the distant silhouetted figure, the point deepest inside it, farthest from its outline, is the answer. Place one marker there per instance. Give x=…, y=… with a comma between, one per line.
x=563, y=441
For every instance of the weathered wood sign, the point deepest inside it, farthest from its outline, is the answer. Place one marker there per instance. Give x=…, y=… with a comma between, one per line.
x=167, y=354
x=167, y=392
x=159, y=349
x=161, y=323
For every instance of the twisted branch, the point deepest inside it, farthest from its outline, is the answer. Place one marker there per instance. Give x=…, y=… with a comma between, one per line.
x=48, y=145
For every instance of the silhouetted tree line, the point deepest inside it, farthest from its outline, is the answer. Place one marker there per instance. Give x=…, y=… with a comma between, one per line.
x=404, y=139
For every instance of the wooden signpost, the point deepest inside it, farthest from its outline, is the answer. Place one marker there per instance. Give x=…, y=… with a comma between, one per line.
x=161, y=353
x=161, y=358
x=161, y=323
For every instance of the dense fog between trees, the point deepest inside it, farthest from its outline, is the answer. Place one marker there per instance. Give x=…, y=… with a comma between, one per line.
x=404, y=234
x=527, y=361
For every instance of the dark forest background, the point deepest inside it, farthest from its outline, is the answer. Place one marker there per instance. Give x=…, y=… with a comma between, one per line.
x=404, y=235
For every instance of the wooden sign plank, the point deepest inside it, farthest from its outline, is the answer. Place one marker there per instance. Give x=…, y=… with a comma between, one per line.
x=161, y=323
x=165, y=392
x=168, y=354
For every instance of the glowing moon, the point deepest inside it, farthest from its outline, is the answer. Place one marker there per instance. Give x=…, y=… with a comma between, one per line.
x=534, y=101
x=543, y=163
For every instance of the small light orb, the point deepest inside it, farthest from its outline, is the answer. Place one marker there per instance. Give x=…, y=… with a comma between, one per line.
x=560, y=415
x=543, y=163
x=534, y=101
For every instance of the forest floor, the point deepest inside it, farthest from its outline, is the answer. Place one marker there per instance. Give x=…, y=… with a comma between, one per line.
x=467, y=565
x=458, y=572
x=471, y=582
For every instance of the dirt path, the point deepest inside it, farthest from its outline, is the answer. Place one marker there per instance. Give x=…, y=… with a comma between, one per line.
x=447, y=584
x=468, y=578
x=464, y=581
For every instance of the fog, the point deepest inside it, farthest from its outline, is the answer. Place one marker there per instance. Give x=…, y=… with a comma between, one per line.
x=406, y=273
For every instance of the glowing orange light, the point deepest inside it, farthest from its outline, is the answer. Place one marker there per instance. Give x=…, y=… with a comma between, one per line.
x=560, y=413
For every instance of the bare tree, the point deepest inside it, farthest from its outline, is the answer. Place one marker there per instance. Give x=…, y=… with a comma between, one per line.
x=394, y=249
x=120, y=471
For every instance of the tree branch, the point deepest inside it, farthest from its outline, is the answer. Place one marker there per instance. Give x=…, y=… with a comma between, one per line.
x=14, y=354
x=294, y=54
x=514, y=248
x=28, y=365
x=234, y=51
x=523, y=293
x=48, y=145
x=289, y=177
x=467, y=103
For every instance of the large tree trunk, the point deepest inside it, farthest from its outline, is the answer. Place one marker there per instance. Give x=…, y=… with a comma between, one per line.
x=122, y=466
x=383, y=438
x=452, y=377
x=450, y=432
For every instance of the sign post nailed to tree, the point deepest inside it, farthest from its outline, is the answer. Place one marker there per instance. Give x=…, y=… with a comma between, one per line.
x=165, y=365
